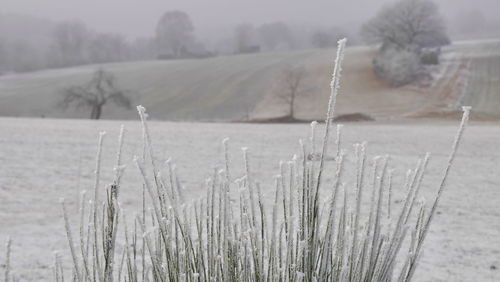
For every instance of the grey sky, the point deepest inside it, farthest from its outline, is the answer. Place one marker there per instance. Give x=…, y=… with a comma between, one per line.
x=138, y=18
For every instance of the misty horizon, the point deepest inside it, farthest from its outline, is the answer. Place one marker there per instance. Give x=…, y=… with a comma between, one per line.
x=139, y=20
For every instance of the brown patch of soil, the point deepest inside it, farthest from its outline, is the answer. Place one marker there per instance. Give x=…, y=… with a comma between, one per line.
x=281, y=119
x=454, y=114
x=353, y=117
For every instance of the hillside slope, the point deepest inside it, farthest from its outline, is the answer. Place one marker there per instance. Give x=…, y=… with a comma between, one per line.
x=245, y=86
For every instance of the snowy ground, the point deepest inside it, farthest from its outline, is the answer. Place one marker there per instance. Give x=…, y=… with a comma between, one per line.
x=44, y=160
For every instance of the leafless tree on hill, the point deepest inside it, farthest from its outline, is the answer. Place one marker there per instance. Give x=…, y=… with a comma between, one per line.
x=290, y=87
x=100, y=90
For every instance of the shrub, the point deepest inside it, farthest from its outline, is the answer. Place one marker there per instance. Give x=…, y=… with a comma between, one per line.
x=429, y=57
x=397, y=67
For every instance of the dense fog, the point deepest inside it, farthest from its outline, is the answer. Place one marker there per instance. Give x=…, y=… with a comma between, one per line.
x=32, y=33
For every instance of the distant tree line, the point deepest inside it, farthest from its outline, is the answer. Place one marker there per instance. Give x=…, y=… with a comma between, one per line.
x=72, y=43
x=69, y=44
x=278, y=36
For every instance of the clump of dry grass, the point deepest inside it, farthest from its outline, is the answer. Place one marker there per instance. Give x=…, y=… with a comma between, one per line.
x=229, y=234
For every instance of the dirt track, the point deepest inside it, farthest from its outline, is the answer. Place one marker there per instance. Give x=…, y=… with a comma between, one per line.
x=483, y=87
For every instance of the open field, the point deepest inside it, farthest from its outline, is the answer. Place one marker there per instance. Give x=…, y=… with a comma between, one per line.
x=483, y=88
x=241, y=87
x=43, y=160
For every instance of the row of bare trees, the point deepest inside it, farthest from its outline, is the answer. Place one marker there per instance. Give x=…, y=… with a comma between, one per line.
x=175, y=37
x=74, y=44
x=280, y=36
x=65, y=44
x=71, y=43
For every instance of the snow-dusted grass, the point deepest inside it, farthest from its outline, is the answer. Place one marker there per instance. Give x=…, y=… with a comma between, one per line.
x=213, y=237
x=41, y=164
x=230, y=235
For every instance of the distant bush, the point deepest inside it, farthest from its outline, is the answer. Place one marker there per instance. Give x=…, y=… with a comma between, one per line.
x=404, y=29
x=249, y=49
x=398, y=67
x=429, y=57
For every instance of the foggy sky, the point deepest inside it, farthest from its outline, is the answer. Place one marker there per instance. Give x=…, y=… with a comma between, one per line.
x=138, y=17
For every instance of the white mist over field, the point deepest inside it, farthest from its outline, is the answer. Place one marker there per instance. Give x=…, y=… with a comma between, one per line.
x=138, y=18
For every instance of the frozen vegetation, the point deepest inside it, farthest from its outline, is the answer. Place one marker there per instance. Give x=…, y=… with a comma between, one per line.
x=46, y=157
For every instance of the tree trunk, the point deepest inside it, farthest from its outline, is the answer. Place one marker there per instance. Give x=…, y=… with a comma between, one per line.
x=92, y=113
x=98, y=111
x=292, y=104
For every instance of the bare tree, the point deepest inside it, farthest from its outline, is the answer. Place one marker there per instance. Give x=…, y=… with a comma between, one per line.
x=100, y=90
x=407, y=24
x=174, y=33
x=289, y=87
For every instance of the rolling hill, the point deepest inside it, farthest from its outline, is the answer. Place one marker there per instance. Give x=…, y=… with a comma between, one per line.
x=242, y=87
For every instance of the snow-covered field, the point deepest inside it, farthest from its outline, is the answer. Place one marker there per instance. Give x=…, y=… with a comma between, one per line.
x=43, y=160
